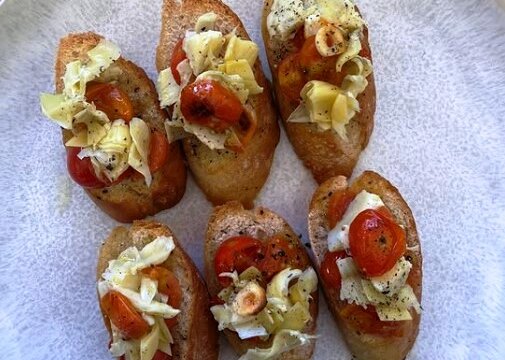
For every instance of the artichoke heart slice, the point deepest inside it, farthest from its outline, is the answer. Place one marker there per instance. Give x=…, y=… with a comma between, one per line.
x=239, y=49
x=243, y=69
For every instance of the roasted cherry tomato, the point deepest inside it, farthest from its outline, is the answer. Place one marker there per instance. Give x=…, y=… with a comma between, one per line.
x=308, y=53
x=376, y=242
x=337, y=206
x=178, y=56
x=367, y=321
x=237, y=253
x=167, y=285
x=158, y=151
x=123, y=315
x=244, y=130
x=365, y=52
x=81, y=171
x=110, y=99
x=210, y=104
x=291, y=77
x=317, y=67
x=281, y=254
x=329, y=269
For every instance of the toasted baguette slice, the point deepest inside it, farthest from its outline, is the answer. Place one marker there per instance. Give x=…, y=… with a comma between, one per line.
x=231, y=220
x=221, y=174
x=325, y=153
x=195, y=335
x=131, y=199
x=366, y=346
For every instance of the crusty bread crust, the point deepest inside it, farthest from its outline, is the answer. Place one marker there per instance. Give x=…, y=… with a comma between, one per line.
x=365, y=346
x=221, y=174
x=325, y=153
x=231, y=220
x=195, y=335
x=131, y=199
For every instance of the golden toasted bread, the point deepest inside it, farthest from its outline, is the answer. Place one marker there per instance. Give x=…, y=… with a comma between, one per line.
x=368, y=346
x=231, y=220
x=131, y=199
x=223, y=175
x=195, y=334
x=325, y=153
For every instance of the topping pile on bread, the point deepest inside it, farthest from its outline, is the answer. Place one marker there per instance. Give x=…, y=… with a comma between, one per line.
x=113, y=130
x=220, y=103
x=154, y=303
x=369, y=260
x=321, y=66
x=260, y=279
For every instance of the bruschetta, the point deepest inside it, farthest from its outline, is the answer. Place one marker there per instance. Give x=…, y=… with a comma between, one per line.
x=153, y=301
x=212, y=82
x=261, y=283
x=322, y=71
x=368, y=255
x=113, y=130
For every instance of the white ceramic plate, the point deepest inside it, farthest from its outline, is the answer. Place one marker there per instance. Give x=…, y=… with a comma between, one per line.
x=439, y=136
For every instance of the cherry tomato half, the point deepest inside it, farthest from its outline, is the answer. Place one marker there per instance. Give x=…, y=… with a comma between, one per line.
x=81, y=171
x=337, y=206
x=281, y=254
x=237, y=253
x=317, y=67
x=329, y=269
x=210, y=104
x=123, y=315
x=291, y=77
x=168, y=284
x=110, y=99
x=308, y=53
x=158, y=151
x=178, y=56
x=376, y=242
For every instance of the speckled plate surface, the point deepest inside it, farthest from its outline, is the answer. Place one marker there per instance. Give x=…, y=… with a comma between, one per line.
x=440, y=137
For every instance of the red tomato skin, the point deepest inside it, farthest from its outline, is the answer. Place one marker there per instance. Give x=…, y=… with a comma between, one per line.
x=178, y=56
x=337, y=206
x=309, y=53
x=317, y=67
x=376, y=242
x=291, y=77
x=169, y=285
x=210, y=104
x=280, y=254
x=81, y=171
x=237, y=253
x=158, y=151
x=123, y=315
x=271, y=256
x=110, y=99
x=329, y=269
